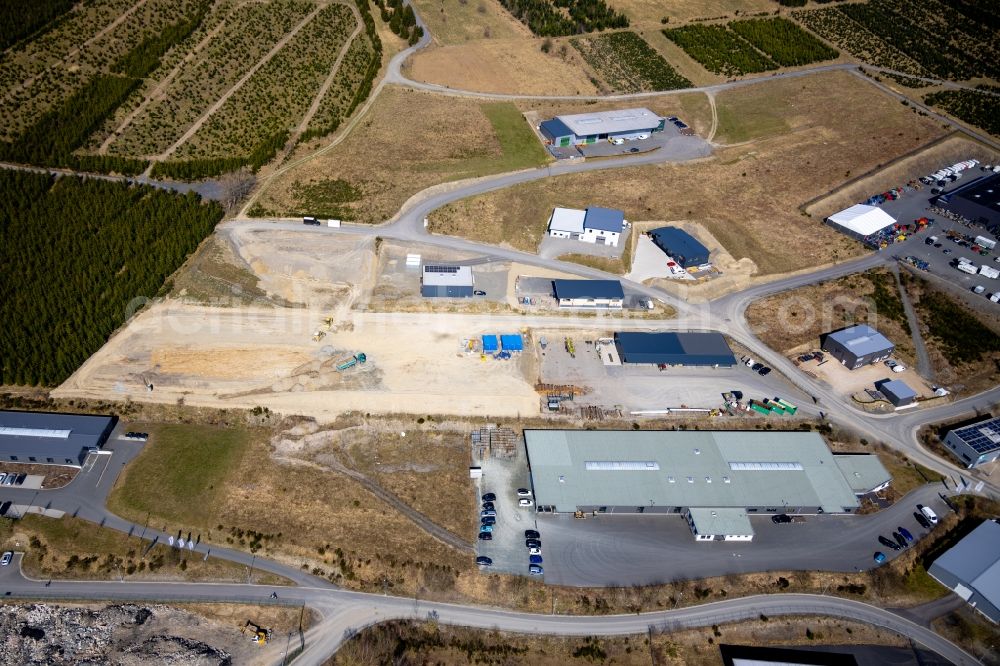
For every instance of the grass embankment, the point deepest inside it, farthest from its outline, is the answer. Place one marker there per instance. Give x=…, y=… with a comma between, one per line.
x=75, y=549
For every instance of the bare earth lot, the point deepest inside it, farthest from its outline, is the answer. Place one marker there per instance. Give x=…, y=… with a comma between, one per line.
x=797, y=147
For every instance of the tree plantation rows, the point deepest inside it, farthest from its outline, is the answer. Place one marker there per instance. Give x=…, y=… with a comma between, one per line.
x=747, y=47
x=75, y=254
x=627, y=63
x=544, y=18
x=20, y=18
x=975, y=108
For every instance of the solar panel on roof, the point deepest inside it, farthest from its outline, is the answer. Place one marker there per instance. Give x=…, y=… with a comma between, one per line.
x=982, y=437
x=765, y=466
x=441, y=269
x=621, y=465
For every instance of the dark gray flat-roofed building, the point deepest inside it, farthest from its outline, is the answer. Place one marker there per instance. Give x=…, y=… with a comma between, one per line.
x=52, y=439
x=975, y=444
x=674, y=349
x=684, y=248
x=589, y=293
x=978, y=201
x=971, y=568
x=856, y=346
x=693, y=473
x=896, y=391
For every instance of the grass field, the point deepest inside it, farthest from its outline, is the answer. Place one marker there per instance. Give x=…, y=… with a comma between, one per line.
x=181, y=472
x=75, y=549
x=745, y=196
x=650, y=13
x=460, y=21
x=387, y=161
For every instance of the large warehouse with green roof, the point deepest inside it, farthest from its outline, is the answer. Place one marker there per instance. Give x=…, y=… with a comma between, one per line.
x=715, y=478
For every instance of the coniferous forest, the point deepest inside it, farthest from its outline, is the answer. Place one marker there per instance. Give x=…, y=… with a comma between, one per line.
x=74, y=254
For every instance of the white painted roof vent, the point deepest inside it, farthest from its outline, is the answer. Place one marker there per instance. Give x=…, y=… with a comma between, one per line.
x=690, y=479
x=697, y=452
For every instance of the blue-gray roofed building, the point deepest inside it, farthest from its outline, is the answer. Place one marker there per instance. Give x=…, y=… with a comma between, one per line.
x=674, y=349
x=896, y=391
x=977, y=201
x=971, y=568
x=589, y=293
x=584, y=128
x=52, y=439
x=977, y=443
x=556, y=131
x=681, y=246
x=604, y=219
x=857, y=346
x=603, y=226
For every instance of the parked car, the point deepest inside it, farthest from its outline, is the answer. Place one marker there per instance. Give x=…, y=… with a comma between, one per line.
x=900, y=540
x=764, y=371
x=780, y=518
x=535, y=559
x=919, y=517
x=488, y=506
x=486, y=528
x=485, y=536
x=7, y=557
x=906, y=533
x=534, y=550
x=633, y=150
x=5, y=507
x=947, y=250
x=615, y=141
x=20, y=479
x=895, y=366
x=532, y=543
x=879, y=557
x=532, y=534
x=484, y=561
x=489, y=520
x=489, y=497
x=487, y=514
x=11, y=478
x=3, y=477
x=937, y=244
x=928, y=514
x=535, y=570
x=641, y=137
x=524, y=502
x=523, y=492
x=478, y=292
x=887, y=542
x=756, y=366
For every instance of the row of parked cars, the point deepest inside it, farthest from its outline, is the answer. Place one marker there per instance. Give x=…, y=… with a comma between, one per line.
x=902, y=538
x=759, y=368
x=12, y=479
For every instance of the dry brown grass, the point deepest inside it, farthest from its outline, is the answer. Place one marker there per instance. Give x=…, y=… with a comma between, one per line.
x=515, y=66
x=460, y=21
x=790, y=319
x=388, y=160
x=748, y=196
x=949, y=150
x=648, y=13
x=278, y=619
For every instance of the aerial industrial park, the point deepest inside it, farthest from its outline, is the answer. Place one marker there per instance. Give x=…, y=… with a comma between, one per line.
x=435, y=331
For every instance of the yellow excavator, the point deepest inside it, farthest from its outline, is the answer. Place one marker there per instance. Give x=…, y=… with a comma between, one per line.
x=258, y=634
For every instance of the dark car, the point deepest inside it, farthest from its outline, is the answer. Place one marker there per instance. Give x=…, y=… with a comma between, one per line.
x=887, y=543
x=937, y=244
x=488, y=520
x=479, y=292
x=532, y=543
x=906, y=533
x=899, y=539
x=920, y=519
x=764, y=371
x=780, y=518
x=756, y=366
x=484, y=561
x=488, y=506
x=633, y=150
x=532, y=534
x=737, y=395
x=489, y=497
x=535, y=559
x=4, y=508
x=20, y=479
x=485, y=536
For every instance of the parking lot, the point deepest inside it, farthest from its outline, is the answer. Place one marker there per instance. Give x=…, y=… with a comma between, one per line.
x=551, y=248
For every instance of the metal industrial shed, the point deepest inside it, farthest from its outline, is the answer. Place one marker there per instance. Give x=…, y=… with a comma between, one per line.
x=856, y=346
x=675, y=472
x=971, y=568
x=589, y=293
x=674, y=348
x=680, y=245
x=447, y=281
x=896, y=391
x=978, y=201
x=977, y=443
x=52, y=438
x=582, y=128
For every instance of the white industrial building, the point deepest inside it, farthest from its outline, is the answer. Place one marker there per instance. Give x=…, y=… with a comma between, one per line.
x=603, y=226
x=447, y=282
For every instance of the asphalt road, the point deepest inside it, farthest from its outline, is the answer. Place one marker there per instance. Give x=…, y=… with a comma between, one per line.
x=346, y=613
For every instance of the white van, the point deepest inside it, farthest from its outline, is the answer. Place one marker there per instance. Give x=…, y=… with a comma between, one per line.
x=929, y=515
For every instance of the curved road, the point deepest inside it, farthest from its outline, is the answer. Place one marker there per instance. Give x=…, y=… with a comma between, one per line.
x=345, y=613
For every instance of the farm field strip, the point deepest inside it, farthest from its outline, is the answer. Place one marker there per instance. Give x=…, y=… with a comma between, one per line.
x=545, y=18
x=974, y=107
x=245, y=40
x=627, y=63
x=253, y=112
x=332, y=107
x=784, y=42
x=719, y=50
x=36, y=77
